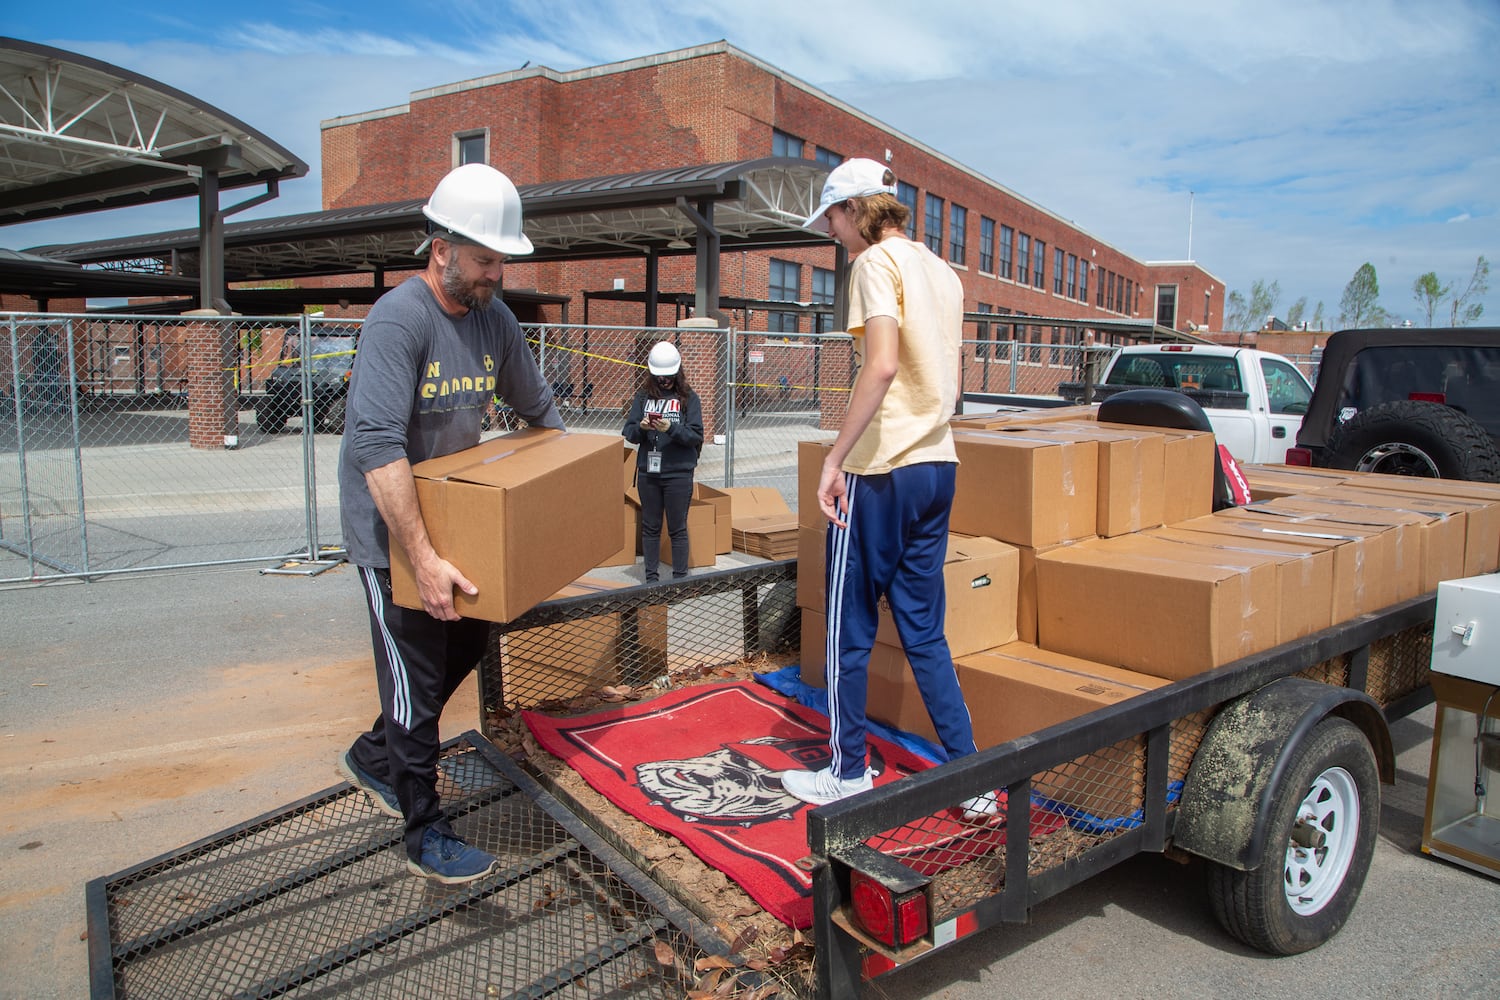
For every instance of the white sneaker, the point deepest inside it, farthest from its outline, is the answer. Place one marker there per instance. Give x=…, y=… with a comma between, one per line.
x=980, y=809
x=821, y=787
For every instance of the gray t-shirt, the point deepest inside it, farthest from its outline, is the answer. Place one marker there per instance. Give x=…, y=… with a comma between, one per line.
x=421, y=382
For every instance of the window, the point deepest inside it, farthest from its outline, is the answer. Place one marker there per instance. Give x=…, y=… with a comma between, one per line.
x=1166, y=305
x=1023, y=257
x=982, y=350
x=471, y=147
x=1057, y=272
x=1107, y=291
x=933, y=232
x=1129, y=307
x=958, y=226
x=1287, y=390
x=1072, y=274
x=1007, y=237
x=987, y=245
x=1083, y=282
x=827, y=156
x=783, y=144
x=907, y=195
x=822, y=294
x=1040, y=257
x=785, y=282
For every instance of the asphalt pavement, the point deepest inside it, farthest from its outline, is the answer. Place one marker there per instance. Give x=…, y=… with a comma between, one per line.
x=141, y=713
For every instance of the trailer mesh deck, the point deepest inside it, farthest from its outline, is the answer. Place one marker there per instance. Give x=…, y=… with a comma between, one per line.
x=316, y=900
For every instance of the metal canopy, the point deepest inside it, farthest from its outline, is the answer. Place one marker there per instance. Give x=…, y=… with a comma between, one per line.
x=753, y=204
x=1136, y=331
x=80, y=135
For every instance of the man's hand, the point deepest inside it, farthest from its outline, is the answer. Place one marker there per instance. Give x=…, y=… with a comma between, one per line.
x=436, y=579
x=832, y=495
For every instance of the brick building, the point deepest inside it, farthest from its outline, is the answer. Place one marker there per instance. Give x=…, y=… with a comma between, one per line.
x=714, y=103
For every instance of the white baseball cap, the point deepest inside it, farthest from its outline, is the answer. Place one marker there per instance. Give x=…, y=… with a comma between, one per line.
x=856, y=178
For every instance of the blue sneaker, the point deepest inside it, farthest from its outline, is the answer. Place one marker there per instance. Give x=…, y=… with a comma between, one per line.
x=449, y=860
x=381, y=795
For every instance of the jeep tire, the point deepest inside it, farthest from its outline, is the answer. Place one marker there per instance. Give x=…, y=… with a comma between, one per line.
x=1411, y=437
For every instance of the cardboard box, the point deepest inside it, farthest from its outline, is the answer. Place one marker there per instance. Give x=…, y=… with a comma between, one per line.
x=814, y=648
x=812, y=549
x=769, y=536
x=1025, y=488
x=563, y=661
x=1364, y=554
x=810, y=455
x=1403, y=531
x=1024, y=416
x=1433, y=498
x=723, y=506
x=1132, y=475
x=630, y=536
x=1165, y=617
x=980, y=578
x=1188, y=460
x=1304, y=575
x=520, y=515
x=1026, y=589
x=1267, y=482
x=755, y=501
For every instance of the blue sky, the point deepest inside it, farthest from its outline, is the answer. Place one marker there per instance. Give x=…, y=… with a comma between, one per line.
x=1313, y=136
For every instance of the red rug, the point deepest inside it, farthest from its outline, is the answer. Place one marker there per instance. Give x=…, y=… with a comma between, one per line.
x=703, y=765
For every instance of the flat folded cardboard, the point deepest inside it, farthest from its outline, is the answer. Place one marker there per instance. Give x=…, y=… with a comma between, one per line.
x=496, y=511
x=770, y=536
x=755, y=501
x=1132, y=474
x=1025, y=488
x=580, y=656
x=1165, y=617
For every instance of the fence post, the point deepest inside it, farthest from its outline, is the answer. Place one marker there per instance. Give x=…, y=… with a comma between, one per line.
x=309, y=443
x=731, y=352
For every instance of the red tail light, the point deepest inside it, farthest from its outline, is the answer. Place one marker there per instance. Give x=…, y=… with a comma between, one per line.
x=892, y=920
x=1428, y=397
x=1299, y=456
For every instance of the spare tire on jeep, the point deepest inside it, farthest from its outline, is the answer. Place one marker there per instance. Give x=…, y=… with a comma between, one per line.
x=1411, y=437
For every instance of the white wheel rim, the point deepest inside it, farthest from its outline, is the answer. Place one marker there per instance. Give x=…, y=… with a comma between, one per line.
x=1313, y=874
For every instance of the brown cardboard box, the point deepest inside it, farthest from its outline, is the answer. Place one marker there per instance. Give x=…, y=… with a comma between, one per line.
x=723, y=516
x=630, y=535
x=494, y=512
x=1364, y=579
x=700, y=525
x=755, y=501
x=1026, y=589
x=1267, y=482
x=1025, y=416
x=1304, y=576
x=558, y=662
x=1403, y=531
x=814, y=647
x=1132, y=474
x=812, y=547
x=980, y=579
x=1433, y=498
x=1441, y=534
x=770, y=536
x=810, y=455
x=1025, y=488
x=1166, y=617
x=1188, y=468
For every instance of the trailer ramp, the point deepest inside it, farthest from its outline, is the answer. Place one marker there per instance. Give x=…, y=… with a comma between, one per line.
x=315, y=900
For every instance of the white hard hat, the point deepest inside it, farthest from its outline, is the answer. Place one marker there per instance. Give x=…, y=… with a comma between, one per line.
x=856, y=178
x=664, y=359
x=480, y=204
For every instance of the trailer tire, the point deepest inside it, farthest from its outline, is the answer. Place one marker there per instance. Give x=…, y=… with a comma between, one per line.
x=1324, y=819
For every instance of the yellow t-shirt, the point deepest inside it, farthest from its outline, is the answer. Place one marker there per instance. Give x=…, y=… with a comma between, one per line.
x=904, y=280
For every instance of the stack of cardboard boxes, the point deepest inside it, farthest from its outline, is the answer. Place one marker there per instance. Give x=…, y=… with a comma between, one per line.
x=1125, y=579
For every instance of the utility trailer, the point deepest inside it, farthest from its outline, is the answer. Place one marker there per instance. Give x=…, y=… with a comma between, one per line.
x=1268, y=768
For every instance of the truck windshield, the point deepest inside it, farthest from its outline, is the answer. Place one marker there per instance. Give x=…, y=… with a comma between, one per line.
x=1176, y=372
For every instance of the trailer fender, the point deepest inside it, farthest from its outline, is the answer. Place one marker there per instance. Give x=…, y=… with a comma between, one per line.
x=1226, y=801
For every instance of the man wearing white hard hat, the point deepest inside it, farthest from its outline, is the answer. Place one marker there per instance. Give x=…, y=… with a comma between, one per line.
x=887, y=482
x=433, y=353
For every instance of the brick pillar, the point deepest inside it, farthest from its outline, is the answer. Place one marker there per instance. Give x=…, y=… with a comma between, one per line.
x=213, y=401
x=835, y=378
x=704, y=360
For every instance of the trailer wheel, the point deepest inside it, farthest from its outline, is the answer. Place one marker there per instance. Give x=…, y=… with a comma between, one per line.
x=1324, y=820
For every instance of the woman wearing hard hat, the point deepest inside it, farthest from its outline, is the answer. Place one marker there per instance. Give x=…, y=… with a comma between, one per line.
x=665, y=422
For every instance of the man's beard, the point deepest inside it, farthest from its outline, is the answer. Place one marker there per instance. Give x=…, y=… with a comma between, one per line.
x=470, y=296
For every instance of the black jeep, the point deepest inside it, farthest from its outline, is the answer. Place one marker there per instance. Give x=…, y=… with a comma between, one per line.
x=331, y=352
x=1406, y=402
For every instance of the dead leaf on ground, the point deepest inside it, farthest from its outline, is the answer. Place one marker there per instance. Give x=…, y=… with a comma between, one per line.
x=664, y=954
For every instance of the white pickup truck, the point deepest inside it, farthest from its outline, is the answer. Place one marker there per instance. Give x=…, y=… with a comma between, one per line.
x=1254, y=399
